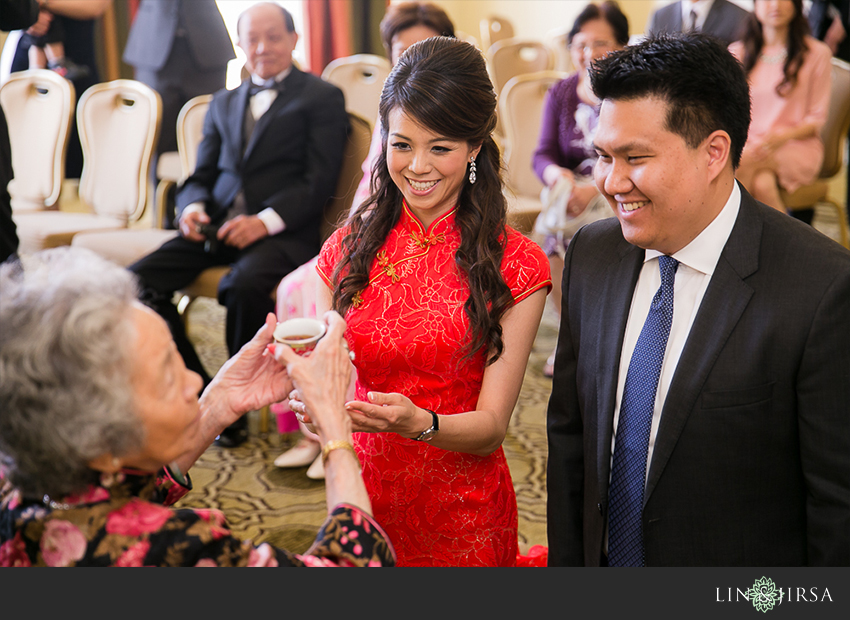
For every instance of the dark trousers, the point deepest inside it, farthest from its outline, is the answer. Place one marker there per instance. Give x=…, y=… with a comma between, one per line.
x=245, y=292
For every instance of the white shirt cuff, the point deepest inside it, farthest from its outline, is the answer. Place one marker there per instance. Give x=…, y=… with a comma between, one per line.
x=274, y=223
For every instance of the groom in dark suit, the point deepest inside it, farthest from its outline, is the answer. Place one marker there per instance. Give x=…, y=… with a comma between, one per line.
x=700, y=410
x=267, y=164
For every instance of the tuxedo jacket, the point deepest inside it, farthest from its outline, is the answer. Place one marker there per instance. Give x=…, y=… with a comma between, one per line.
x=290, y=163
x=156, y=25
x=724, y=20
x=751, y=464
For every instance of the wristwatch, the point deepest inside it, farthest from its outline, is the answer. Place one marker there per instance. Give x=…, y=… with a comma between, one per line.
x=428, y=433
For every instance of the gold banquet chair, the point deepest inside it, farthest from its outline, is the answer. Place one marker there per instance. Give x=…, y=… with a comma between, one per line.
x=361, y=79
x=118, y=123
x=834, y=136
x=125, y=247
x=508, y=58
x=493, y=29
x=521, y=107
x=39, y=108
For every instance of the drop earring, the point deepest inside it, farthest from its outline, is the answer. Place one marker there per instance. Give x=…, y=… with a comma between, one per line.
x=472, y=171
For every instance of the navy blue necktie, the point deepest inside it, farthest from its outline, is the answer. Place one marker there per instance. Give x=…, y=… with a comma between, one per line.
x=628, y=474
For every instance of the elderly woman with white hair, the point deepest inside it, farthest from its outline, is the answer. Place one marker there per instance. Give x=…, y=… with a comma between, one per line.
x=99, y=418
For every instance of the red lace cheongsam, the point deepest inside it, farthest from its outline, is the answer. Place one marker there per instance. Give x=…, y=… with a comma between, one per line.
x=408, y=330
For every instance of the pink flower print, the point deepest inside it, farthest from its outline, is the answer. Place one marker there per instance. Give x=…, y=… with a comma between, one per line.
x=62, y=543
x=14, y=553
x=316, y=562
x=216, y=520
x=90, y=496
x=135, y=555
x=206, y=563
x=136, y=518
x=262, y=556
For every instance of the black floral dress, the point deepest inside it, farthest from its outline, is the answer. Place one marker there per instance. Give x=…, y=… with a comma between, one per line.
x=124, y=520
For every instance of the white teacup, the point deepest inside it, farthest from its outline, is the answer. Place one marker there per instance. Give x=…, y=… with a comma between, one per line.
x=301, y=334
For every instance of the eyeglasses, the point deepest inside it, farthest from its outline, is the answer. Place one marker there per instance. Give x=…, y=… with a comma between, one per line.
x=591, y=46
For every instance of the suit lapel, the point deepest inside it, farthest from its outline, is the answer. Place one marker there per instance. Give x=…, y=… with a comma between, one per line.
x=724, y=302
x=712, y=19
x=236, y=120
x=620, y=281
x=291, y=86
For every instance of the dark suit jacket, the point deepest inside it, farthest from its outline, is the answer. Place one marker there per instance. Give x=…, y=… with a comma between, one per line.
x=820, y=20
x=724, y=20
x=290, y=164
x=751, y=465
x=155, y=25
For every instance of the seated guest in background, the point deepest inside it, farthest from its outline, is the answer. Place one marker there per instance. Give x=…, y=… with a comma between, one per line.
x=830, y=23
x=100, y=423
x=266, y=166
x=443, y=301
x=719, y=18
x=789, y=73
x=570, y=113
x=699, y=410
x=403, y=25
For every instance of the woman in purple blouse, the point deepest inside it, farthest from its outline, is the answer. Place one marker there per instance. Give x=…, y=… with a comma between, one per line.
x=570, y=114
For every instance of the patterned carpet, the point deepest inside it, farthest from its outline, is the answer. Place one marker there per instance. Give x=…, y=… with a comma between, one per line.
x=285, y=508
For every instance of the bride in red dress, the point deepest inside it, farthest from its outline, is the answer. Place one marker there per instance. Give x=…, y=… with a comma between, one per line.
x=442, y=301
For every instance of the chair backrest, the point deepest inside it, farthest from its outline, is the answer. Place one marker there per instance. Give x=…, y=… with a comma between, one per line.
x=361, y=79
x=356, y=150
x=834, y=132
x=190, y=132
x=118, y=123
x=521, y=109
x=511, y=57
x=494, y=29
x=39, y=107
x=556, y=40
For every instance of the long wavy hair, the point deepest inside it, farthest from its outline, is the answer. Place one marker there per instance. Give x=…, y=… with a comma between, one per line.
x=442, y=83
x=753, y=39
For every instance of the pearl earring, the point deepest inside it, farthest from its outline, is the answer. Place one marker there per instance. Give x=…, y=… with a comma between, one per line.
x=472, y=171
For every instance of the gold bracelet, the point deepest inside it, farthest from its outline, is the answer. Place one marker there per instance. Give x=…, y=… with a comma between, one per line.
x=336, y=444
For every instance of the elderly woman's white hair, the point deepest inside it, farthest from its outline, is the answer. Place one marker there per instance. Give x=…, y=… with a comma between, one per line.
x=65, y=394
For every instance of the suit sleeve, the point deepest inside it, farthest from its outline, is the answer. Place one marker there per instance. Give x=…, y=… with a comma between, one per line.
x=565, y=428
x=299, y=203
x=823, y=392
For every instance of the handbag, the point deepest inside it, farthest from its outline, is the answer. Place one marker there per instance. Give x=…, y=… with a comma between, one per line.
x=554, y=219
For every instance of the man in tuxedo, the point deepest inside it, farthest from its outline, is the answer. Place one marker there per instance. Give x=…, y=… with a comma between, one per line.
x=719, y=18
x=268, y=162
x=181, y=50
x=700, y=404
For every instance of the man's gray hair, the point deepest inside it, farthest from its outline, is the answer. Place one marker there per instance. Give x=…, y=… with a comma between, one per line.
x=65, y=396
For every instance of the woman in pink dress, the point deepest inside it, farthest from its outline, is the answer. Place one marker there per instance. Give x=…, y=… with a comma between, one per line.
x=403, y=25
x=789, y=75
x=442, y=301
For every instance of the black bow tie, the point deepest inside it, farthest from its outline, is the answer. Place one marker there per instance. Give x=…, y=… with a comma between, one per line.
x=255, y=88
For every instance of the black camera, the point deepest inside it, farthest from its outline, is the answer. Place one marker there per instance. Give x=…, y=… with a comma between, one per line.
x=209, y=231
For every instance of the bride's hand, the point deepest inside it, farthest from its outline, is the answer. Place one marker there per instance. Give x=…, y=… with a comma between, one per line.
x=391, y=412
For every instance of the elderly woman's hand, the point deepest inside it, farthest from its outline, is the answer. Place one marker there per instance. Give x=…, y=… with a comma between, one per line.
x=252, y=378
x=322, y=379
